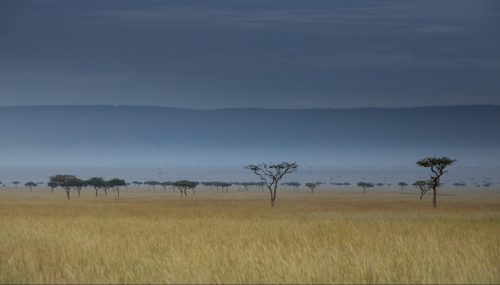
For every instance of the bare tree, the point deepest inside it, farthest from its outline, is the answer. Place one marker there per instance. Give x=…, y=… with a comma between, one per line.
x=272, y=174
x=423, y=186
x=437, y=166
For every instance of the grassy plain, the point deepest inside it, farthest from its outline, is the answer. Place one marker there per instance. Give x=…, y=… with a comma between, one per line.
x=329, y=237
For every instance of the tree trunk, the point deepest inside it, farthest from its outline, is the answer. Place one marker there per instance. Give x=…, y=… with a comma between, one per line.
x=273, y=194
x=95, y=191
x=67, y=193
x=52, y=190
x=434, y=202
x=105, y=191
x=118, y=191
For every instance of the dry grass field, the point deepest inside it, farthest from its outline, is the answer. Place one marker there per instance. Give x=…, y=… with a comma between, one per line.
x=339, y=237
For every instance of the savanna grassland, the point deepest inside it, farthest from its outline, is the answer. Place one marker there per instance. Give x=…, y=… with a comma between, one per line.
x=329, y=237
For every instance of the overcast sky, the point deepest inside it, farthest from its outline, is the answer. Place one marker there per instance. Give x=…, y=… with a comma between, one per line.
x=255, y=53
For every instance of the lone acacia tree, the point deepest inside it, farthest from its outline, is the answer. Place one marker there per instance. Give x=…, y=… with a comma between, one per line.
x=437, y=166
x=65, y=181
x=271, y=174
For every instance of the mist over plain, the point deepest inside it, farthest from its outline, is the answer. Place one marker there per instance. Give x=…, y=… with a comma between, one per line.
x=378, y=144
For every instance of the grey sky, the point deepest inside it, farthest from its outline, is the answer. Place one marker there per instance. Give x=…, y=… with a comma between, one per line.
x=288, y=54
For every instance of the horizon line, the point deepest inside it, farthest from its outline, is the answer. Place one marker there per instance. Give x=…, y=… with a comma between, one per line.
x=247, y=108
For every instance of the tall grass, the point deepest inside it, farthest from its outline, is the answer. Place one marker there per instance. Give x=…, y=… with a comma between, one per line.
x=237, y=238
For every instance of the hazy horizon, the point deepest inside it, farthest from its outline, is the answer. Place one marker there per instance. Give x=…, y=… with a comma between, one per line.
x=216, y=144
x=328, y=84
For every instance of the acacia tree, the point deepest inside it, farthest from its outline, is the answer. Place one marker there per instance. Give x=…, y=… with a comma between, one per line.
x=459, y=184
x=136, y=183
x=30, y=185
x=271, y=175
x=16, y=183
x=423, y=186
x=222, y=185
x=183, y=185
x=52, y=185
x=365, y=185
x=97, y=183
x=165, y=184
x=116, y=183
x=437, y=166
x=65, y=181
x=311, y=186
x=152, y=183
x=294, y=185
x=78, y=186
x=402, y=185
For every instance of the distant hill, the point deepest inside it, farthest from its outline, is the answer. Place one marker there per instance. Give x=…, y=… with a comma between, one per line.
x=56, y=128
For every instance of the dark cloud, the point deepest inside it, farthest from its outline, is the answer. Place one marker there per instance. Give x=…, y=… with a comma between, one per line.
x=208, y=54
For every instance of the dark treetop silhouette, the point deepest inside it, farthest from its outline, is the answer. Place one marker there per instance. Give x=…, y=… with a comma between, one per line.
x=437, y=166
x=183, y=185
x=272, y=174
x=65, y=181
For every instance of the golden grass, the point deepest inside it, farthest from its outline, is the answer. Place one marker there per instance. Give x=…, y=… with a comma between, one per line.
x=341, y=237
